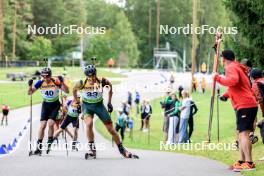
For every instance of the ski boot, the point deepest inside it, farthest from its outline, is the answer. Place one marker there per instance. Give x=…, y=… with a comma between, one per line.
x=50, y=141
x=125, y=153
x=74, y=146
x=38, y=150
x=91, y=154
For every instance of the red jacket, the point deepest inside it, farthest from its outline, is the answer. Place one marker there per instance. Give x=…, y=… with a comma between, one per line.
x=255, y=89
x=238, y=84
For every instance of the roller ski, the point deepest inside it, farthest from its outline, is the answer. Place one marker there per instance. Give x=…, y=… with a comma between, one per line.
x=50, y=141
x=91, y=154
x=125, y=153
x=37, y=152
x=74, y=146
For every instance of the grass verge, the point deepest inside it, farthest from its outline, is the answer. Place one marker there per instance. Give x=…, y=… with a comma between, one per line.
x=227, y=133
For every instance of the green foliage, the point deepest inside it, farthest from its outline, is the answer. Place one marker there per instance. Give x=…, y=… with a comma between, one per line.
x=124, y=41
x=24, y=17
x=129, y=38
x=118, y=43
x=249, y=18
x=40, y=48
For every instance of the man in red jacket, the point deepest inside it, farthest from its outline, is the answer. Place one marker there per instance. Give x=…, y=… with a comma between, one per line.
x=244, y=103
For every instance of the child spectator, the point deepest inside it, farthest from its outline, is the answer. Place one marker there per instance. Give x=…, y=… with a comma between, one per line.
x=5, y=111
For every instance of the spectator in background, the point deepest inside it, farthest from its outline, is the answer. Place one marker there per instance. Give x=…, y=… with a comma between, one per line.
x=195, y=84
x=203, y=85
x=137, y=100
x=168, y=107
x=142, y=114
x=126, y=108
x=129, y=98
x=121, y=123
x=193, y=111
x=248, y=64
x=5, y=111
x=172, y=80
x=147, y=111
x=174, y=120
x=180, y=89
x=184, y=117
x=258, y=89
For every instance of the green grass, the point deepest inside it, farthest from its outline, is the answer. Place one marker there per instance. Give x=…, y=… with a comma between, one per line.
x=15, y=95
x=227, y=132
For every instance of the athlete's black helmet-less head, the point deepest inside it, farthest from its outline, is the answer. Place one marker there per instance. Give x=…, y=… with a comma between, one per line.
x=90, y=70
x=46, y=72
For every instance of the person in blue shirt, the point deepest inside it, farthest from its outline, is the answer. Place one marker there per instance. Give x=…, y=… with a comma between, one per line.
x=121, y=123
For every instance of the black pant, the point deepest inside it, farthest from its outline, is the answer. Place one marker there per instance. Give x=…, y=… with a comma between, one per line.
x=190, y=126
x=122, y=130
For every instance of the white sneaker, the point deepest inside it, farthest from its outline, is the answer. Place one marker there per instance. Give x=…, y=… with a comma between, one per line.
x=145, y=130
x=261, y=159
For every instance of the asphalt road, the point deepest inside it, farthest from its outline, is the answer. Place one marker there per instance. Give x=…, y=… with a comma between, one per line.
x=109, y=161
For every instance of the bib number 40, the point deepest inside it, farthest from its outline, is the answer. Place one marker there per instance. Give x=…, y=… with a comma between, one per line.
x=49, y=93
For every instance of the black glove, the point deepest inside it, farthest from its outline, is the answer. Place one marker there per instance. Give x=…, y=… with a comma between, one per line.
x=79, y=109
x=30, y=82
x=110, y=107
x=61, y=79
x=222, y=98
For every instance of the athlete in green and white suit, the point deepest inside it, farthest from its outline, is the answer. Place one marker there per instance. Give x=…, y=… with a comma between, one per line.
x=91, y=90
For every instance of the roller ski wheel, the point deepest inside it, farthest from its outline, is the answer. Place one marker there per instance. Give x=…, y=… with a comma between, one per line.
x=127, y=154
x=37, y=153
x=130, y=155
x=88, y=156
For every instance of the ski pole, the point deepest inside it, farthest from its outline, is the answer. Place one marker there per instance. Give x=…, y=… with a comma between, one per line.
x=215, y=68
x=217, y=103
x=65, y=134
x=148, y=132
x=30, y=131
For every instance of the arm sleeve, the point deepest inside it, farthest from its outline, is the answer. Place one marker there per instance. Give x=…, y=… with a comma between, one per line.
x=57, y=82
x=78, y=85
x=226, y=94
x=176, y=109
x=38, y=84
x=168, y=100
x=231, y=77
x=194, y=108
x=69, y=102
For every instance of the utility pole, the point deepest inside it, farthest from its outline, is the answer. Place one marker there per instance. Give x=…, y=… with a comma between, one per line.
x=2, y=30
x=158, y=24
x=14, y=31
x=81, y=46
x=149, y=27
x=193, y=41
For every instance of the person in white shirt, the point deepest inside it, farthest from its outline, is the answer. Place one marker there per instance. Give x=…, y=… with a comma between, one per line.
x=184, y=117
